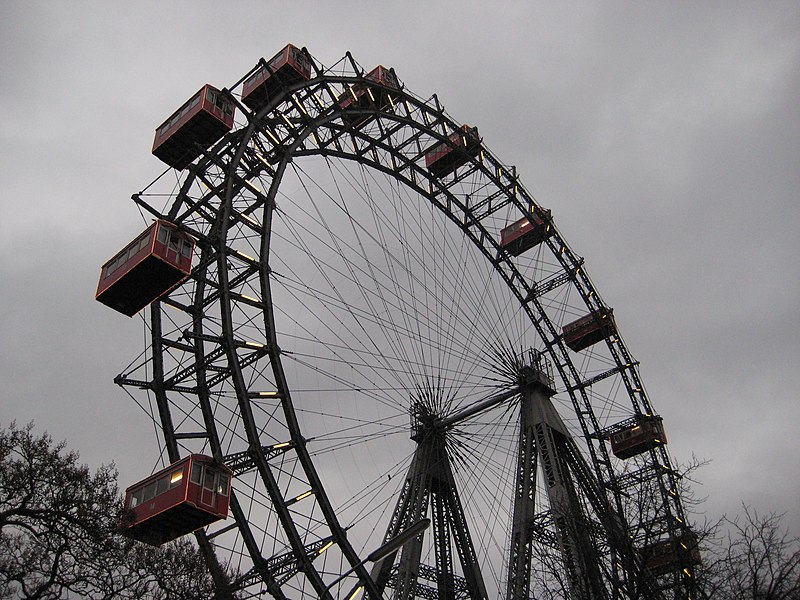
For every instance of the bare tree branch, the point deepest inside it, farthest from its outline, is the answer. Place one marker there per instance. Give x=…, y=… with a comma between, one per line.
x=58, y=531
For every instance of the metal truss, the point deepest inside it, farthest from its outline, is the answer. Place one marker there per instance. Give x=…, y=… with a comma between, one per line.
x=215, y=371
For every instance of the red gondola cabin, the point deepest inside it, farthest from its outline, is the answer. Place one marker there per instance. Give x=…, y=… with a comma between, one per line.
x=194, y=127
x=189, y=494
x=590, y=329
x=446, y=157
x=288, y=66
x=641, y=435
x=668, y=556
x=364, y=96
x=525, y=233
x=151, y=265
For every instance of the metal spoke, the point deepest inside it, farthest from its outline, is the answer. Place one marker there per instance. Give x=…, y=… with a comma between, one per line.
x=361, y=346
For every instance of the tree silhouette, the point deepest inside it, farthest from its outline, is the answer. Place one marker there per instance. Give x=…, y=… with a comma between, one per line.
x=58, y=531
x=754, y=557
x=747, y=557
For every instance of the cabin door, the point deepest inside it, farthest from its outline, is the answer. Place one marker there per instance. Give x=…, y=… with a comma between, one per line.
x=208, y=496
x=173, y=249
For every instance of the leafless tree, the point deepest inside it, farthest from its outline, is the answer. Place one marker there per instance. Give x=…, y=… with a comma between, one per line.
x=645, y=516
x=58, y=531
x=749, y=556
x=753, y=557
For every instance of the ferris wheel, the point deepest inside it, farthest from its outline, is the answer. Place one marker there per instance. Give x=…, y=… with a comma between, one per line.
x=407, y=381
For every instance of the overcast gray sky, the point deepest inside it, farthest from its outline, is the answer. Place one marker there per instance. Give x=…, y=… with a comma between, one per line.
x=663, y=136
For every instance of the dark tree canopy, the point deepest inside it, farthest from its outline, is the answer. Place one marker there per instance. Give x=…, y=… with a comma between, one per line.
x=58, y=531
